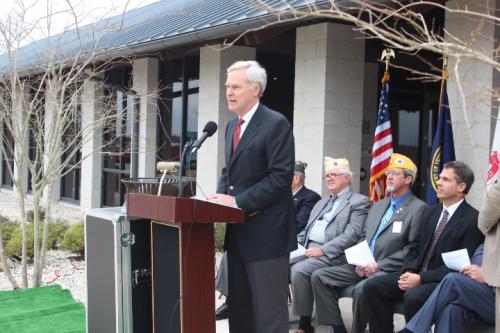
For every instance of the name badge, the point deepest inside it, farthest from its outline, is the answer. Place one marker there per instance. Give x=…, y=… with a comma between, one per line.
x=396, y=227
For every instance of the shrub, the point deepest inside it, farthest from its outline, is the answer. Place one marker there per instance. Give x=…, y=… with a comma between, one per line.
x=73, y=240
x=219, y=233
x=8, y=228
x=57, y=230
x=30, y=215
x=14, y=244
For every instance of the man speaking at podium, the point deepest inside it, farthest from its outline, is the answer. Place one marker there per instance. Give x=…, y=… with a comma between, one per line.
x=259, y=155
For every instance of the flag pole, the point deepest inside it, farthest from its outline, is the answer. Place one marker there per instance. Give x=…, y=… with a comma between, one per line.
x=443, y=147
x=444, y=78
x=382, y=144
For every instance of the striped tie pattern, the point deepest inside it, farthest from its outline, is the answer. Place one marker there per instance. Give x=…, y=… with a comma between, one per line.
x=437, y=234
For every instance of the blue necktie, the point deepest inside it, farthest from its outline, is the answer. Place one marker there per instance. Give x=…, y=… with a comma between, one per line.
x=328, y=207
x=387, y=216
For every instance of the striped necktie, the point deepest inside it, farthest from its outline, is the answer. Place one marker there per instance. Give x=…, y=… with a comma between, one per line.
x=435, y=239
x=328, y=207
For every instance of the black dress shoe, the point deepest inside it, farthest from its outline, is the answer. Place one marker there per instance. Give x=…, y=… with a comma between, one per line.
x=222, y=312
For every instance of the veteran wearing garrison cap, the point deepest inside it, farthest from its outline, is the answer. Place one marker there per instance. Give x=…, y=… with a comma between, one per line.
x=391, y=227
x=336, y=223
x=304, y=199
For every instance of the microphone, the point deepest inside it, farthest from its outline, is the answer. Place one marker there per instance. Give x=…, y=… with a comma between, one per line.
x=209, y=129
x=167, y=166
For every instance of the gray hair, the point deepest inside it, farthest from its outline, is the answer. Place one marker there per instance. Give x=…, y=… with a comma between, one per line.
x=256, y=74
x=463, y=173
x=411, y=174
x=302, y=176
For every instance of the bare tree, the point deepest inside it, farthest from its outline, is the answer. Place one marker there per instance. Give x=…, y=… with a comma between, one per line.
x=404, y=26
x=40, y=97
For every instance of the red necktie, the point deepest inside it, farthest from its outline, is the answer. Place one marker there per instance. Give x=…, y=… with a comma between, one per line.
x=437, y=235
x=236, y=134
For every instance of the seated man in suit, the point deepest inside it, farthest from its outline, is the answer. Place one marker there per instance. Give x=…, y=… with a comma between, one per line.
x=336, y=223
x=304, y=200
x=391, y=226
x=459, y=300
x=445, y=227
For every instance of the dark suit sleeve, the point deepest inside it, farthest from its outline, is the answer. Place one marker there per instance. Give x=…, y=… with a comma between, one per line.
x=222, y=185
x=280, y=155
x=304, y=210
x=411, y=262
x=471, y=239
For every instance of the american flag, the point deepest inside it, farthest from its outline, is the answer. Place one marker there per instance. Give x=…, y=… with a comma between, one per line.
x=382, y=144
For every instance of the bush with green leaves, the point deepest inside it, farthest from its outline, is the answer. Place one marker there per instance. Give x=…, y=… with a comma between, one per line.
x=14, y=244
x=8, y=228
x=73, y=240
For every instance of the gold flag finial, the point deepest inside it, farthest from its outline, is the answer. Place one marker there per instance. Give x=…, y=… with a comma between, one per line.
x=387, y=54
x=445, y=68
x=445, y=62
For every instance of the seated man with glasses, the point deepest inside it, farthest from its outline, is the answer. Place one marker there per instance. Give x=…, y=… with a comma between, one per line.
x=335, y=223
x=392, y=225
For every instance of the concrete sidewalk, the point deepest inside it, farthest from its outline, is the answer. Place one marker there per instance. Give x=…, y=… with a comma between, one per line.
x=222, y=326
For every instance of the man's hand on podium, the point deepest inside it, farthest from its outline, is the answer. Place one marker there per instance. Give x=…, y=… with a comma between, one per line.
x=222, y=199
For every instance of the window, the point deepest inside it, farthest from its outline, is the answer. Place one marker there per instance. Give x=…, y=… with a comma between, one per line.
x=71, y=157
x=178, y=108
x=7, y=157
x=35, y=146
x=116, y=151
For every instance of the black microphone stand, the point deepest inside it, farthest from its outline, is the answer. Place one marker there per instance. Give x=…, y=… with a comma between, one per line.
x=187, y=147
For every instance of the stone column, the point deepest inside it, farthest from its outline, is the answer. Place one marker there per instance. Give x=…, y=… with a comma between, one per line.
x=370, y=109
x=213, y=107
x=328, y=105
x=91, y=167
x=472, y=121
x=145, y=83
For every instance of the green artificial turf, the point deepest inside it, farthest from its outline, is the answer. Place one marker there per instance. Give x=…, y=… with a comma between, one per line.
x=46, y=309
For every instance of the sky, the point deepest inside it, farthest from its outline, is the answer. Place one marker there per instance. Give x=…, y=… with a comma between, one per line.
x=87, y=11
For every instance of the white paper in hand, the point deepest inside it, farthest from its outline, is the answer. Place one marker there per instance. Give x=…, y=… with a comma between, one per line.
x=359, y=254
x=297, y=255
x=456, y=259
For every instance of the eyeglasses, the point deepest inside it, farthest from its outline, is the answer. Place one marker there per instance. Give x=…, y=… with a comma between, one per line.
x=393, y=172
x=333, y=175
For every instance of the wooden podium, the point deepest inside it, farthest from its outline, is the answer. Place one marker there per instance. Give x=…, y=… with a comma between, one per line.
x=182, y=259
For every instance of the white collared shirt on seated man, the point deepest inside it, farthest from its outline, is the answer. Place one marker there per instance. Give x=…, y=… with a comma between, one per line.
x=317, y=232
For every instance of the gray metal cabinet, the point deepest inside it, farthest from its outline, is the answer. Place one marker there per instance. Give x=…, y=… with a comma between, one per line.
x=118, y=264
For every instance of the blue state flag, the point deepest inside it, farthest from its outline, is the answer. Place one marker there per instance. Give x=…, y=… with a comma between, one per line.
x=443, y=148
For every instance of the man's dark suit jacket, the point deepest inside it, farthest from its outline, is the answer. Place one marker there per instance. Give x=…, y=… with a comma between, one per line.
x=259, y=175
x=460, y=232
x=304, y=201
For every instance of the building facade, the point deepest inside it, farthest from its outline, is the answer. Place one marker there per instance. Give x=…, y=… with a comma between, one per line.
x=323, y=75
